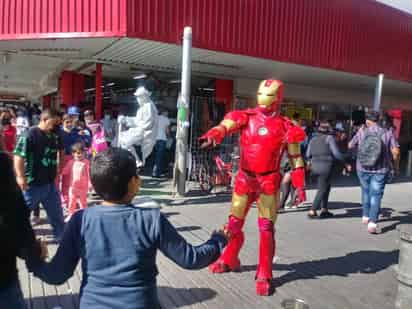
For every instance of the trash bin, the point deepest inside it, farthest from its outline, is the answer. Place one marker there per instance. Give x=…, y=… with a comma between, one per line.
x=404, y=298
x=409, y=164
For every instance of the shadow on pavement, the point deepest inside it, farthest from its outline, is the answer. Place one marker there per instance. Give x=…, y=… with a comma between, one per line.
x=404, y=218
x=171, y=213
x=182, y=297
x=188, y=228
x=366, y=261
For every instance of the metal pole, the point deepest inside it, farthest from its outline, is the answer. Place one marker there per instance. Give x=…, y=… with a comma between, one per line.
x=183, y=115
x=378, y=93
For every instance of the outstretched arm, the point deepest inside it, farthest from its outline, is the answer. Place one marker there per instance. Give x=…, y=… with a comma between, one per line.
x=232, y=122
x=295, y=136
x=175, y=247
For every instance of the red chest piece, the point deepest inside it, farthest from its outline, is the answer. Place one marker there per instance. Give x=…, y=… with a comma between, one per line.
x=262, y=143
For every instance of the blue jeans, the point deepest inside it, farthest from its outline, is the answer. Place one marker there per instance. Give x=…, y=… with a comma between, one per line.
x=49, y=197
x=12, y=297
x=373, y=185
x=160, y=151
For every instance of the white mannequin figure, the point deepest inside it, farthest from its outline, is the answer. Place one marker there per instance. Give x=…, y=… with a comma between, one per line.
x=142, y=129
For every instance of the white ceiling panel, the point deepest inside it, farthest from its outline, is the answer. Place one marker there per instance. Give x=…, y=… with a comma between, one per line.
x=24, y=63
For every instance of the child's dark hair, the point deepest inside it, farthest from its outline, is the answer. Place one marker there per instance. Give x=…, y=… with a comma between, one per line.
x=78, y=147
x=111, y=171
x=66, y=117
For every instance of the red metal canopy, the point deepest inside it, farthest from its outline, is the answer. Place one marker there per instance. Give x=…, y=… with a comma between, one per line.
x=363, y=37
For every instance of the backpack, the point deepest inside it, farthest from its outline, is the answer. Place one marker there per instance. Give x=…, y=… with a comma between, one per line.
x=370, y=149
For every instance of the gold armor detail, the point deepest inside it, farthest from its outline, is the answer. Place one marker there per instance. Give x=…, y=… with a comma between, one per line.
x=267, y=95
x=239, y=204
x=297, y=162
x=268, y=206
x=294, y=149
x=221, y=128
x=228, y=124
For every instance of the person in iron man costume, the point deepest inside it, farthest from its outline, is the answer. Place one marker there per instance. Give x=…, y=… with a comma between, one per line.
x=264, y=136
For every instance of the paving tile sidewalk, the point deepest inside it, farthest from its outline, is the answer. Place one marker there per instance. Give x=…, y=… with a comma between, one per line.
x=330, y=263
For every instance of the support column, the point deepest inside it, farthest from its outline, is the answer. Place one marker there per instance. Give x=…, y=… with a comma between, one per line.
x=183, y=115
x=78, y=88
x=66, y=88
x=99, y=97
x=378, y=93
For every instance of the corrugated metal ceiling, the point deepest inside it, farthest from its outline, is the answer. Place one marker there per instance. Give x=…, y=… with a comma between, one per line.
x=150, y=55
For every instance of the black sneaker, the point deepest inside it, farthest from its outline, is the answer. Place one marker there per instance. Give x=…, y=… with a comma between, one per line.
x=325, y=214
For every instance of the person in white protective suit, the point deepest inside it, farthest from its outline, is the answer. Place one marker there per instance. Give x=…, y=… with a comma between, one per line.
x=141, y=129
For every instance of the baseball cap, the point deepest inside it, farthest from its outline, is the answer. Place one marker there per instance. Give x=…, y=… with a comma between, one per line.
x=73, y=111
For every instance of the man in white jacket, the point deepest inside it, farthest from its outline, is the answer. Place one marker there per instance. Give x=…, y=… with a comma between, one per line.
x=141, y=129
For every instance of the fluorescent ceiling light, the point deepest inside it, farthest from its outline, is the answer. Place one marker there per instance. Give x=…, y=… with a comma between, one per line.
x=140, y=76
x=90, y=89
x=110, y=84
x=222, y=65
x=175, y=81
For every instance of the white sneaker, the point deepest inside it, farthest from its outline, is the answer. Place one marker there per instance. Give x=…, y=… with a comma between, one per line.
x=372, y=228
x=365, y=220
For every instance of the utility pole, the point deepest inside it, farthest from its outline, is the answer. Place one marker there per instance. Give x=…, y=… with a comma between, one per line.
x=378, y=93
x=183, y=115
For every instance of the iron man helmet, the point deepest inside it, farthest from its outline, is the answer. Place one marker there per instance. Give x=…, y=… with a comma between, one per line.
x=270, y=94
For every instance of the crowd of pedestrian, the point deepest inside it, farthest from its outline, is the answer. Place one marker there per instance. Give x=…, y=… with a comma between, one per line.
x=15, y=122
x=373, y=152
x=49, y=165
x=57, y=162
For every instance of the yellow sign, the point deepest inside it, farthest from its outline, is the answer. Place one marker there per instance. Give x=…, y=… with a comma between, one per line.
x=304, y=112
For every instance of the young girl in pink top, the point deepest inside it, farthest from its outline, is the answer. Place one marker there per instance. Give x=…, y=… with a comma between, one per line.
x=78, y=171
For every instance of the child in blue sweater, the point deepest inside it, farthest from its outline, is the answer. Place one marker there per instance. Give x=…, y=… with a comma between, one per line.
x=117, y=242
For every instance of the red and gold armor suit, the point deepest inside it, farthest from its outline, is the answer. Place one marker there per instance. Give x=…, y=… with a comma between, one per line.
x=264, y=136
